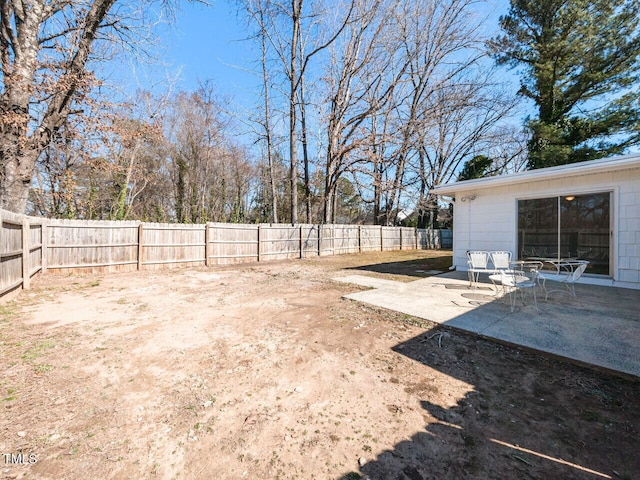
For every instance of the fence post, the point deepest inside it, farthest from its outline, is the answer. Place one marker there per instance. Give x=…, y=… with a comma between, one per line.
x=140, y=245
x=259, y=230
x=1, y=244
x=26, y=279
x=301, y=242
x=207, y=245
x=360, y=238
x=44, y=242
x=381, y=237
x=333, y=239
x=400, y=238
x=319, y=240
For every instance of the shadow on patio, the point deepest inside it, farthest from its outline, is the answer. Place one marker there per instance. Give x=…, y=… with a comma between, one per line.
x=553, y=419
x=601, y=327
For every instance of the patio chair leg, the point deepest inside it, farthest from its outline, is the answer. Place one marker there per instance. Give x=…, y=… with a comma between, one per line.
x=544, y=287
x=512, y=296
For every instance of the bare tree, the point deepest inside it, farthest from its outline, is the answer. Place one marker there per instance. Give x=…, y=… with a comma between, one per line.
x=107, y=163
x=466, y=116
x=442, y=108
x=210, y=174
x=362, y=75
x=46, y=47
x=440, y=40
x=296, y=36
x=258, y=13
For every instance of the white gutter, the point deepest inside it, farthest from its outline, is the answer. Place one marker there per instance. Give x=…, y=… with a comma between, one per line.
x=609, y=164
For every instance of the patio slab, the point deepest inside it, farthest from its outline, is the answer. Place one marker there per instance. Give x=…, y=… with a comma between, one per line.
x=601, y=327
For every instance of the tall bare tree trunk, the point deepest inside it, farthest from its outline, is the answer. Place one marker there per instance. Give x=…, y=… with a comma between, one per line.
x=19, y=48
x=267, y=118
x=296, y=9
x=305, y=153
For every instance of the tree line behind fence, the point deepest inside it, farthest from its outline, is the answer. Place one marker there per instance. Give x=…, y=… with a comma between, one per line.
x=29, y=245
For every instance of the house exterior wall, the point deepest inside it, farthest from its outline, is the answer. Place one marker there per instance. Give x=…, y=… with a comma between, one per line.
x=486, y=218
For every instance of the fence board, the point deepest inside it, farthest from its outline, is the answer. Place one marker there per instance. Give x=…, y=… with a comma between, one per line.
x=20, y=250
x=310, y=240
x=166, y=245
x=232, y=243
x=370, y=238
x=390, y=238
x=346, y=239
x=408, y=238
x=96, y=246
x=10, y=252
x=430, y=239
x=279, y=242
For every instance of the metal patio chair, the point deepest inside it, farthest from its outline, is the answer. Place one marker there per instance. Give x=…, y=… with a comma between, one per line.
x=477, y=263
x=567, y=274
x=501, y=260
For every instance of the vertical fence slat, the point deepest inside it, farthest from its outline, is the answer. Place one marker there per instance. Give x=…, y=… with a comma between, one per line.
x=44, y=245
x=26, y=278
x=207, y=244
x=301, y=246
x=140, y=245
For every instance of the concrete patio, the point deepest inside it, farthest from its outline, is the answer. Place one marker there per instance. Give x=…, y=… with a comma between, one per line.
x=599, y=328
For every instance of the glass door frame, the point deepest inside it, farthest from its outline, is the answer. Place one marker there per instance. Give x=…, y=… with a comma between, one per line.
x=613, y=215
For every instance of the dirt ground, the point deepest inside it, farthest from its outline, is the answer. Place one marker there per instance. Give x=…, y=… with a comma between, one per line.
x=263, y=371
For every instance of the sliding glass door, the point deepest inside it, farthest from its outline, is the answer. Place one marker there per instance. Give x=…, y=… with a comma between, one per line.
x=570, y=227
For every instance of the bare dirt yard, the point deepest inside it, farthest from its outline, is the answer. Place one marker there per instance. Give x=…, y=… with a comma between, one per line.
x=263, y=371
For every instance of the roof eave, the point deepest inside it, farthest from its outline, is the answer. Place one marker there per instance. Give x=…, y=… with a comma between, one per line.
x=574, y=169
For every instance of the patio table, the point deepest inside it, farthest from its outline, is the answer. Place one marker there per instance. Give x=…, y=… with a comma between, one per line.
x=522, y=274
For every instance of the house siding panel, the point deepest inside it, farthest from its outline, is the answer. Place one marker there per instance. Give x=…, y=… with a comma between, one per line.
x=489, y=221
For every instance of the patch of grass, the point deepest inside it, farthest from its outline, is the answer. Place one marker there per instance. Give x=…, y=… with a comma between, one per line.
x=7, y=311
x=38, y=349
x=43, y=368
x=10, y=395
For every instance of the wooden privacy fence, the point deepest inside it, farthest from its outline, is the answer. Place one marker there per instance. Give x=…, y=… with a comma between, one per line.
x=21, y=250
x=29, y=245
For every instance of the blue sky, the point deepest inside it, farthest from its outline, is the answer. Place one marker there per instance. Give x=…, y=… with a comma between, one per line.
x=206, y=43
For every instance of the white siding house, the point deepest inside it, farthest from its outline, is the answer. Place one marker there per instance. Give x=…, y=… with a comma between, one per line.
x=588, y=210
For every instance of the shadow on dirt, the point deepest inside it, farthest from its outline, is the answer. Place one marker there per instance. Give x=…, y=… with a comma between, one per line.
x=526, y=416
x=419, y=268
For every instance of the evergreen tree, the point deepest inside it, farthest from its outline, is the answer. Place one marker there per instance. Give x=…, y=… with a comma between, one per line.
x=581, y=63
x=477, y=167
